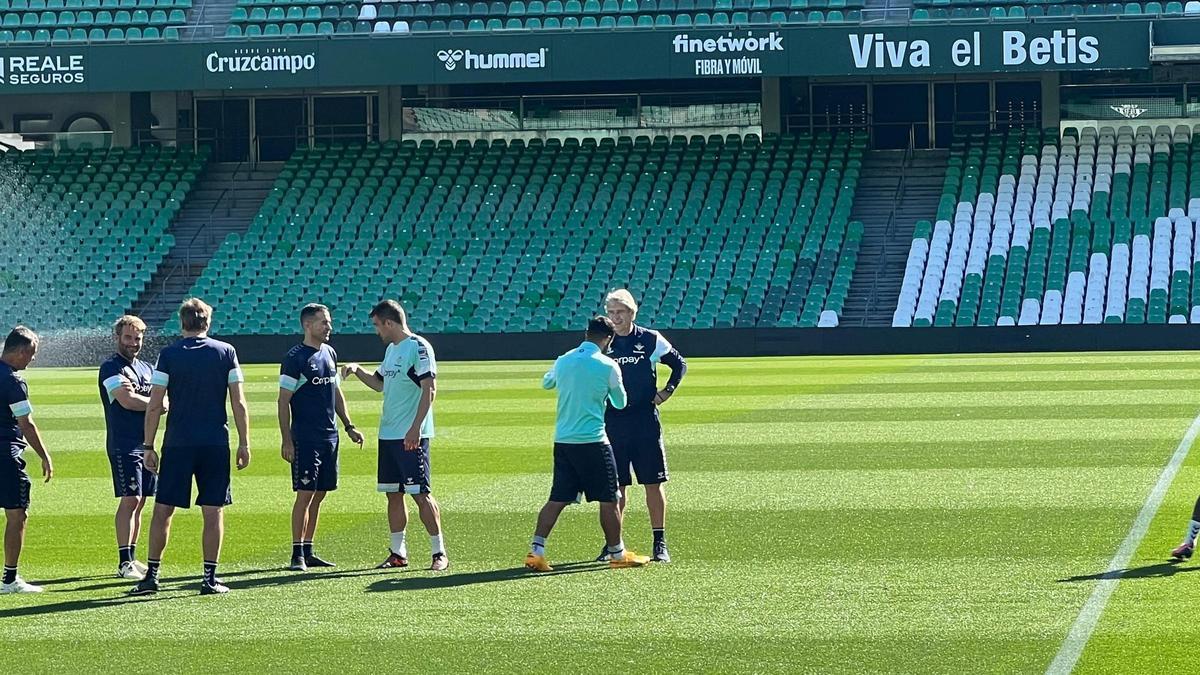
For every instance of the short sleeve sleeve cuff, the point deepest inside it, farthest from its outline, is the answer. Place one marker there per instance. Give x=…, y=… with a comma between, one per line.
x=661, y=348
x=285, y=382
x=236, y=376
x=112, y=384
x=21, y=409
x=159, y=378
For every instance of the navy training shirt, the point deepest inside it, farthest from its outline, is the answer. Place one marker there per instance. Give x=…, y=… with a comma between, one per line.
x=15, y=393
x=312, y=377
x=638, y=354
x=126, y=428
x=197, y=372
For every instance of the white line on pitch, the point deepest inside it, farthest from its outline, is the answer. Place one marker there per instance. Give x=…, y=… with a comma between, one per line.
x=1089, y=616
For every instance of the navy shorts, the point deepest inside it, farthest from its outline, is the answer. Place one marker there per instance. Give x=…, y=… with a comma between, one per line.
x=403, y=470
x=637, y=444
x=130, y=477
x=14, y=482
x=208, y=464
x=586, y=469
x=315, y=466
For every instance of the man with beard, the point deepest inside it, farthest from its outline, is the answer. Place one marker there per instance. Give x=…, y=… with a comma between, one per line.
x=125, y=393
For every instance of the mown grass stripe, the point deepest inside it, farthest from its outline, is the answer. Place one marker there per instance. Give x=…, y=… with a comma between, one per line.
x=1081, y=631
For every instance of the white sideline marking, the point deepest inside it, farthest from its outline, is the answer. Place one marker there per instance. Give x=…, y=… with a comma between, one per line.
x=1089, y=616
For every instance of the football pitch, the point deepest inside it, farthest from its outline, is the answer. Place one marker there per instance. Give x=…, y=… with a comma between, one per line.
x=881, y=514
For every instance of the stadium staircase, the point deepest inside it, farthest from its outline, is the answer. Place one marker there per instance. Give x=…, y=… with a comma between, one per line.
x=708, y=231
x=213, y=14
x=896, y=189
x=224, y=201
x=1096, y=227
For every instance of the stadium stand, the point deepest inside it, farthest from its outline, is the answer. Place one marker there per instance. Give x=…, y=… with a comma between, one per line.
x=943, y=10
x=253, y=18
x=96, y=228
x=43, y=21
x=1097, y=227
x=488, y=236
x=267, y=17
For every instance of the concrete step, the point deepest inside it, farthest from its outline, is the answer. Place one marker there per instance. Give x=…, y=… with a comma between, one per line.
x=224, y=200
x=888, y=217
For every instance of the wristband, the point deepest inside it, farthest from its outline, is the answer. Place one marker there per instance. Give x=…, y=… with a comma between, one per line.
x=145, y=446
x=349, y=428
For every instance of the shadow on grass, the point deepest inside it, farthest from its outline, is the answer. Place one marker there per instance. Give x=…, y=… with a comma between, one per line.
x=176, y=588
x=82, y=605
x=279, y=576
x=74, y=580
x=421, y=583
x=286, y=578
x=1157, y=570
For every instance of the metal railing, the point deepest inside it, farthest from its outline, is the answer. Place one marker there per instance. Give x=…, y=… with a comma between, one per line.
x=572, y=112
x=311, y=135
x=204, y=229
x=180, y=137
x=862, y=122
x=57, y=141
x=890, y=228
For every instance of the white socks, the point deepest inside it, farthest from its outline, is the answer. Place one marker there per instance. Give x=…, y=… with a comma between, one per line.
x=398, y=546
x=539, y=546
x=617, y=552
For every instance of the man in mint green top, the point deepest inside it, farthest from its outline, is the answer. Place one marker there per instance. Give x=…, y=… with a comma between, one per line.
x=586, y=380
x=408, y=379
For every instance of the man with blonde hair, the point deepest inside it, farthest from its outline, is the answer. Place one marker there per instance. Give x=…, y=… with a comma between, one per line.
x=197, y=372
x=125, y=394
x=635, y=431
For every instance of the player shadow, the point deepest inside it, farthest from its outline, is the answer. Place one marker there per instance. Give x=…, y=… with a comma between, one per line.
x=424, y=583
x=74, y=580
x=1156, y=570
x=83, y=605
x=282, y=577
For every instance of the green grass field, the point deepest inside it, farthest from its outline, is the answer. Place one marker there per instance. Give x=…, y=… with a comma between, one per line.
x=883, y=514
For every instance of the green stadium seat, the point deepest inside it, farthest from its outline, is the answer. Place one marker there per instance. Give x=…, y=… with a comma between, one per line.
x=74, y=245
x=738, y=294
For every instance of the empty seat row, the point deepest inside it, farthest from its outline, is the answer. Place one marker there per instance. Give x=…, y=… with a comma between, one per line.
x=572, y=22
x=45, y=35
x=982, y=10
x=467, y=10
x=58, y=5
x=67, y=18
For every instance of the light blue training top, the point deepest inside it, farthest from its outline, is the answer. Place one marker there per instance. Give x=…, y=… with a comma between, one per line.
x=585, y=379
